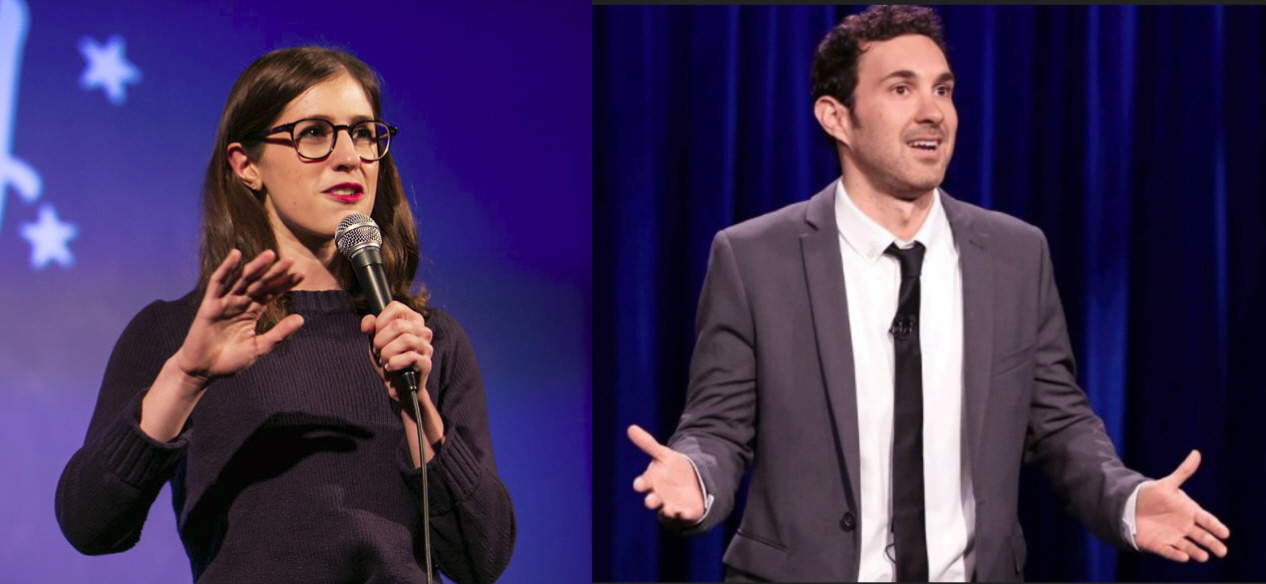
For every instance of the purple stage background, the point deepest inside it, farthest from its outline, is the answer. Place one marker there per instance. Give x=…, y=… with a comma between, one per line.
x=99, y=215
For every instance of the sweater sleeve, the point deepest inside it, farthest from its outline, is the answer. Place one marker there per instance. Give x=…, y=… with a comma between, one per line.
x=106, y=489
x=472, y=518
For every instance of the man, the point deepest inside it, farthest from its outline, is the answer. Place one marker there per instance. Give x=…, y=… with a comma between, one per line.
x=884, y=357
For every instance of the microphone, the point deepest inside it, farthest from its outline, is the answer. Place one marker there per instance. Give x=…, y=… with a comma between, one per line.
x=902, y=326
x=359, y=240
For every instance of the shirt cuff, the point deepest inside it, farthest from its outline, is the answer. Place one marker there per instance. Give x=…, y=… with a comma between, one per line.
x=1129, y=525
x=707, y=499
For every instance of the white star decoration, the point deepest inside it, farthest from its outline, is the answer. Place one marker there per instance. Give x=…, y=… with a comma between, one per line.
x=107, y=68
x=48, y=238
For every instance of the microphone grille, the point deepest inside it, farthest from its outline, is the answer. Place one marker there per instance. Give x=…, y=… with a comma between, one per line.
x=355, y=231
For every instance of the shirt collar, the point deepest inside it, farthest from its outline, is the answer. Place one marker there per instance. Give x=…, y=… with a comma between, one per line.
x=869, y=239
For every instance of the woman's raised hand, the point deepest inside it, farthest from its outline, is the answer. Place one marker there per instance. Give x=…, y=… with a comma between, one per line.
x=222, y=340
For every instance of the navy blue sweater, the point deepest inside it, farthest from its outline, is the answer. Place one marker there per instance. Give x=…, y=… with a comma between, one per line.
x=296, y=469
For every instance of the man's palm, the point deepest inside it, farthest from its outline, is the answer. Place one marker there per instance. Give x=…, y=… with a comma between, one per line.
x=669, y=482
x=1172, y=525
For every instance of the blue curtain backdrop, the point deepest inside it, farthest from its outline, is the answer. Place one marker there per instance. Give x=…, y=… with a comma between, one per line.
x=1131, y=135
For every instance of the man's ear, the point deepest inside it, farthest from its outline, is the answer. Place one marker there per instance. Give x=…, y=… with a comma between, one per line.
x=835, y=118
x=244, y=167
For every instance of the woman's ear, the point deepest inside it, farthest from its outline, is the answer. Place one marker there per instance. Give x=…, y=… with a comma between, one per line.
x=244, y=167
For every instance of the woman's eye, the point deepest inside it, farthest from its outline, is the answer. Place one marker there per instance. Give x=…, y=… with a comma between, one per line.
x=316, y=131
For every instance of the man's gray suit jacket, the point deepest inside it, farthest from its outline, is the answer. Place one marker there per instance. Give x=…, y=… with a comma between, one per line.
x=772, y=386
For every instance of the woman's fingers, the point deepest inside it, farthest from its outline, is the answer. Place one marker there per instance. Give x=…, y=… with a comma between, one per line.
x=219, y=281
x=397, y=331
x=397, y=311
x=277, y=269
x=400, y=340
x=233, y=278
x=407, y=351
x=277, y=281
x=392, y=324
x=411, y=360
x=280, y=332
x=262, y=280
x=253, y=270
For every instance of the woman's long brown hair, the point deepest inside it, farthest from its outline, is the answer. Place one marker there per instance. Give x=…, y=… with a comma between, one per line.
x=233, y=216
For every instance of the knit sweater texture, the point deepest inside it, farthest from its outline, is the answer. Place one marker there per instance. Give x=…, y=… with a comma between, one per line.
x=295, y=469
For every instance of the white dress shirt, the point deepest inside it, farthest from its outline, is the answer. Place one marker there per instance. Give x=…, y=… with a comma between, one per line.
x=871, y=281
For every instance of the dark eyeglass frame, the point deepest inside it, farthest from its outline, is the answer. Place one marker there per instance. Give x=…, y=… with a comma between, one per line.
x=290, y=129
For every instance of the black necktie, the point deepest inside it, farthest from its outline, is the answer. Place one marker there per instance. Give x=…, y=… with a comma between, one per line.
x=909, y=531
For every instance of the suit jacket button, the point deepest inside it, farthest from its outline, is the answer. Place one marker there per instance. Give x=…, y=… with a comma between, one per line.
x=848, y=522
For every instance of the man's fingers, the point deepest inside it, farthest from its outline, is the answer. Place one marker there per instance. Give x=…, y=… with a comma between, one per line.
x=647, y=443
x=1208, y=541
x=1172, y=553
x=1207, y=520
x=1192, y=550
x=1184, y=470
x=643, y=483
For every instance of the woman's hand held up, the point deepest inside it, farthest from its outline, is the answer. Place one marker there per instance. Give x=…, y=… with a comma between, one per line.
x=222, y=339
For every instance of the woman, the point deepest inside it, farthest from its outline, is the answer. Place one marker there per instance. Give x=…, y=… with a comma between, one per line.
x=267, y=396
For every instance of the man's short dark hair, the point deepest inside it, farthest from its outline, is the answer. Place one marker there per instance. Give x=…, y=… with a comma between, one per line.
x=834, y=71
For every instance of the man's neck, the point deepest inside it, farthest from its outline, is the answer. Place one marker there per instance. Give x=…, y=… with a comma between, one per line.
x=901, y=216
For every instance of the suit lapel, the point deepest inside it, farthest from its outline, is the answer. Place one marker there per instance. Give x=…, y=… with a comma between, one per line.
x=976, y=263
x=824, y=269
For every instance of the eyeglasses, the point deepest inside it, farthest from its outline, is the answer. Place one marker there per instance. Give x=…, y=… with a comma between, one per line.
x=314, y=139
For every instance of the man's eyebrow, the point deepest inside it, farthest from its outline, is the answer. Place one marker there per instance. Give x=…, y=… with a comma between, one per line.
x=900, y=74
x=946, y=77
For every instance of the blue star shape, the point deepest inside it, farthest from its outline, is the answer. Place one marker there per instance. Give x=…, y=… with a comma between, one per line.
x=107, y=68
x=48, y=238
